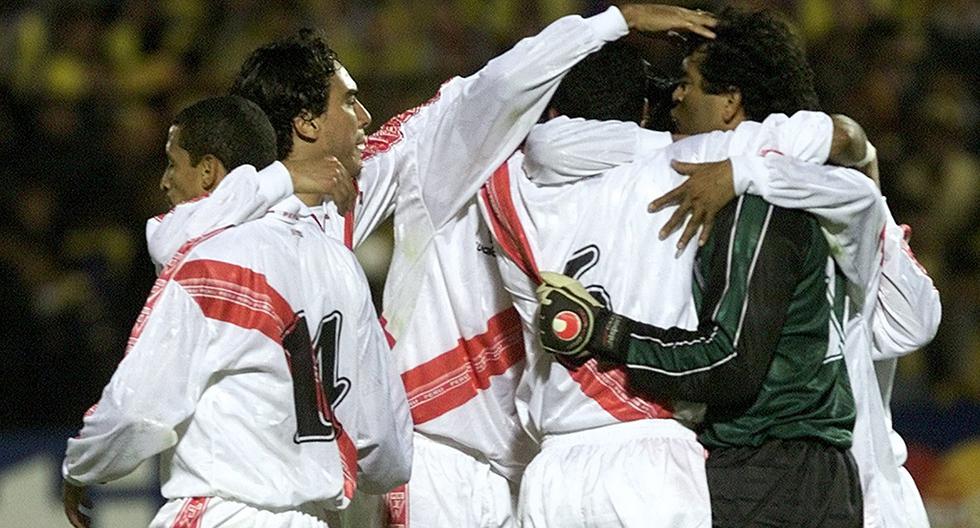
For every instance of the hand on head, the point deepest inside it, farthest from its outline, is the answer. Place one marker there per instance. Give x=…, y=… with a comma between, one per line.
x=656, y=18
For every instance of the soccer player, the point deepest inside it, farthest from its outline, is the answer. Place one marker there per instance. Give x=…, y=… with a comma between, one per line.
x=905, y=318
x=900, y=316
x=262, y=382
x=456, y=339
x=593, y=428
x=766, y=355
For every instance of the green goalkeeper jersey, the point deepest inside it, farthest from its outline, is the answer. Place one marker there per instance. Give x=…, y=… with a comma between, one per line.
x=767, y=356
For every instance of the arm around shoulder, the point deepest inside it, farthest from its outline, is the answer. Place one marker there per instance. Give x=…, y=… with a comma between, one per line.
x=908, y=308
x=244, y=194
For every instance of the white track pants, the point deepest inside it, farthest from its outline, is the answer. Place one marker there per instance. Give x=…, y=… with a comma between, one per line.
x=450, y=489
x=648, y=473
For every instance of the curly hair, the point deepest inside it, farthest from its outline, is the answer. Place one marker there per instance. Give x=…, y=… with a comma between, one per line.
x=230, y=128
x=760, y=55
x=608, y=84
x=287, y=79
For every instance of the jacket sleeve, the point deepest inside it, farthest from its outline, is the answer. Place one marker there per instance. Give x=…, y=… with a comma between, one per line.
x=451, y=145
x=244, y=194
x=139, y=409
x=849, y=207
x=806, y=136
x=748, y=285
x=908, y=310
x=384, y=435
x=565, y=150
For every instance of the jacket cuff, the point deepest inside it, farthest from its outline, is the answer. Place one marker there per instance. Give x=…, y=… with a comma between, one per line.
x=609, y=25
x=68, y=478
x=275, y=183
x=609, y=336
x=749, y=175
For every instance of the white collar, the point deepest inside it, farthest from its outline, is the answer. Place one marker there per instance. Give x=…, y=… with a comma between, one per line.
x=292, y=210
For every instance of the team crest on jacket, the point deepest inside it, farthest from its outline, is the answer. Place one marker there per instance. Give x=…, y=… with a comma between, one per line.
x=566, y=325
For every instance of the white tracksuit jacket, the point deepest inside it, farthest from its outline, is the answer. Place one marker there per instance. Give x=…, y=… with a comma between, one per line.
x=259, y=373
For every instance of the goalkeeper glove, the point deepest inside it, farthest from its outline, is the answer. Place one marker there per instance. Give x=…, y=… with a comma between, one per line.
x=572, y=323
x=566, y=318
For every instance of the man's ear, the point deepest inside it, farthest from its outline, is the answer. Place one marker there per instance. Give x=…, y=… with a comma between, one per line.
x=552, y=112
x=733, y=111
x=211, y=171
x=306, y=127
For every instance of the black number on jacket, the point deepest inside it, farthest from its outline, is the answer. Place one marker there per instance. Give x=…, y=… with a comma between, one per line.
x=317, y=386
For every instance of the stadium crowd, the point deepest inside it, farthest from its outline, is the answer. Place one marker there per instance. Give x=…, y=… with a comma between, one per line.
x=88, y=87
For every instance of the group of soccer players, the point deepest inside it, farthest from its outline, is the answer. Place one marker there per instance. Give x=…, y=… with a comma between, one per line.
x=545, y=356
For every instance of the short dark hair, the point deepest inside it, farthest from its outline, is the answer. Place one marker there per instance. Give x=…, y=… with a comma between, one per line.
x=608, y=84
x=288, y=78
x=230, y=128
x=760, y=55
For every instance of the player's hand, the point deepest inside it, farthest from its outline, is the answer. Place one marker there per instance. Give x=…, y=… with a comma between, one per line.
x=847, y=146
x=869, y=165
x=708, y=188
x=655, y=18
x=326, y=176
x=78, y=505
x=567, y=315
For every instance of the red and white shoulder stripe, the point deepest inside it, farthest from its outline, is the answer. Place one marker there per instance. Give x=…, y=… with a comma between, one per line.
x=236, y=295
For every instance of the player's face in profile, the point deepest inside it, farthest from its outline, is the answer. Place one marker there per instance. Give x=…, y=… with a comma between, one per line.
x=345, y=121
x=181, y=180
x=695, y=111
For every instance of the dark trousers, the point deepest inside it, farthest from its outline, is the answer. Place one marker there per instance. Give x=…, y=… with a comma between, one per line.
x=791, y=483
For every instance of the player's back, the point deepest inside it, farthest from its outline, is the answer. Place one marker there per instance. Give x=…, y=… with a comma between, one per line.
x=298, y=370
x=590, y=424
x=599, y=232
x=457, y=338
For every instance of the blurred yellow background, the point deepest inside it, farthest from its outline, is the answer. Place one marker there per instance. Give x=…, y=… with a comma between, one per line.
x=88, y=88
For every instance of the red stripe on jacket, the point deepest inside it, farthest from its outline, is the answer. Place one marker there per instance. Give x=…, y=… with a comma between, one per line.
x=506, y=224
x=348, y=460
x=607, y=386
x=390, y=133
x=236, y=295
x=384, y=328
x=190, y=513
x=350, y=217
x=457, y=376
x=396, y=502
